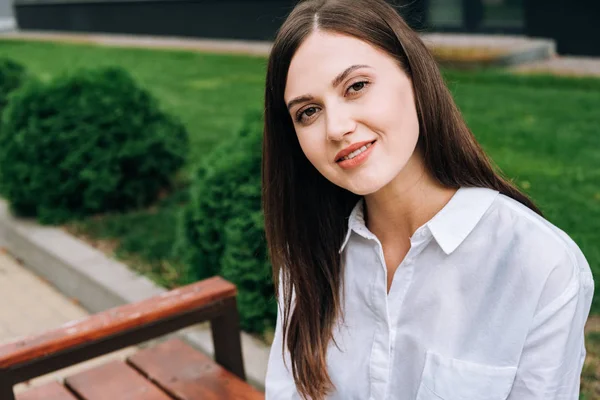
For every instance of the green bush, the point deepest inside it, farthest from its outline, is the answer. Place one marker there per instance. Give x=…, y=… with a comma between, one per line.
x=88, y=143
x=12, y=76
x=221, y=232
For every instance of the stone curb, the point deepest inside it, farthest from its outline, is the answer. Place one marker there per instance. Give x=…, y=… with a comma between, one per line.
x=509, y=50
x=98, y=282
x=247, y=47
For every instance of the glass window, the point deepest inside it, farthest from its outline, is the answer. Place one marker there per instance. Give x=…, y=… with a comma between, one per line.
x=503, y=14
x=445, y=13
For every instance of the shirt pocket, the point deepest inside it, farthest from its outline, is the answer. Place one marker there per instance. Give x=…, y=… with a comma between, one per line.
x=453, y=379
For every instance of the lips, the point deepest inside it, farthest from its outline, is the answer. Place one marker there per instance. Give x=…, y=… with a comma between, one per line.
x=351, y=148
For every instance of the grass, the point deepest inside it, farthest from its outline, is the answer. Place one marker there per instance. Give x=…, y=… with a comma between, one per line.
x=542, y=131
x=590, y=375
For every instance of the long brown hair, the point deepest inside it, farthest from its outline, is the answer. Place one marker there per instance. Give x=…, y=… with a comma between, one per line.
x=305, y=214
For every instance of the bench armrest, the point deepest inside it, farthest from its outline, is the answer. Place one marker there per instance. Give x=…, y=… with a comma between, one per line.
x=210, y=299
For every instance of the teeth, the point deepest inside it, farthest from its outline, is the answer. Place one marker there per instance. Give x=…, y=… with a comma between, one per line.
x=356, y=152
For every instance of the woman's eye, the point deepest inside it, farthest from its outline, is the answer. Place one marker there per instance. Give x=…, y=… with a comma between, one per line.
x=358, y=86
x=307, y=112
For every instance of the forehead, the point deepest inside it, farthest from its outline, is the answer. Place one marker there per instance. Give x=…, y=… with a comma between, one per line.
x=324, y=55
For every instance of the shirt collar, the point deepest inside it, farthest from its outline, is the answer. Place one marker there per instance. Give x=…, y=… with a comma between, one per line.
x=450, y=226
x=356, y=222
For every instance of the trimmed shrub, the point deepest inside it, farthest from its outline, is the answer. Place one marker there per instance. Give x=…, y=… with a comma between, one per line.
x=221, y=231
x=12, y=76
x=88, y=143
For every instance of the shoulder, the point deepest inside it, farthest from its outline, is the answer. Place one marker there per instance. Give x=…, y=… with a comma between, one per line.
x=531, y=229
x=530, y=226
x=545, y=253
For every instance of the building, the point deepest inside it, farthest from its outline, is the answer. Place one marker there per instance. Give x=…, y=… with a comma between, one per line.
x=7, y=21
x=571, y=23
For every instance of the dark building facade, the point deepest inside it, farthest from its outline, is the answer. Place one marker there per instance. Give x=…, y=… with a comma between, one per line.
x=572, y=23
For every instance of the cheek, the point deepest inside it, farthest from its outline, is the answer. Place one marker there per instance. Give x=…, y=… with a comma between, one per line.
x=393, y=109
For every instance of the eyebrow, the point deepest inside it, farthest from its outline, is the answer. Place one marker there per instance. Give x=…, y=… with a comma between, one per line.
x=334, y=83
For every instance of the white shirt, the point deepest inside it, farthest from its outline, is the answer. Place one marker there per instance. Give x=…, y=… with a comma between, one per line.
x=490, y=303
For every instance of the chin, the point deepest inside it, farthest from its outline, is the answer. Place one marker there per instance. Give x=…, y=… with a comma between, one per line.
x=363, y=189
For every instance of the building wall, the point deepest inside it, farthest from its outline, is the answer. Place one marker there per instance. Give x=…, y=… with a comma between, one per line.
x=6, y=9
x=571, y=23
x=228, y=19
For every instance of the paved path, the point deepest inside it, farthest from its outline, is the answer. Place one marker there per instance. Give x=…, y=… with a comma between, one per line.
x=159, y=42
x=569, y=65
x=30, y=305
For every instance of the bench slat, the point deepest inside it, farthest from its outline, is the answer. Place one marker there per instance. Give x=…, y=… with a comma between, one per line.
x=114, y=380
x=186, y=373
x=48, y=391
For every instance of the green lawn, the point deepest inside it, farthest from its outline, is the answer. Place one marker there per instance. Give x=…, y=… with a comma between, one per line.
x=542, y=131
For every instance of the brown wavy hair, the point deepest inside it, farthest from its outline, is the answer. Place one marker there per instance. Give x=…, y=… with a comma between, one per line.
x=306, y=215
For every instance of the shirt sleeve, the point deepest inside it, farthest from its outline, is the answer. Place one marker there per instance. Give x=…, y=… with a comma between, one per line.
x=554, y=350
x=279, y=382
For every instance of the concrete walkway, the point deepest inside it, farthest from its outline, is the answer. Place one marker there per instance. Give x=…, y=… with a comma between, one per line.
x=34, y=304
x=157, y=42
x=31, y=305
x=564, y=65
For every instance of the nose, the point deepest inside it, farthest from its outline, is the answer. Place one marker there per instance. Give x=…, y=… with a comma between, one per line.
x=339, y=123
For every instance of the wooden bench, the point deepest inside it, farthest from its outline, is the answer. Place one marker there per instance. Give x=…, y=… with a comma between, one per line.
x=166, y=371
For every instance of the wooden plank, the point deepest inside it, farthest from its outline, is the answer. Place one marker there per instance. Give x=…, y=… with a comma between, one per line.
x=105, y=324
x=187, y=374
x=114, y=380
x=48, y=391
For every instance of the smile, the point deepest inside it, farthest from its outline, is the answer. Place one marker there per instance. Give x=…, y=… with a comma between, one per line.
x=357, y=157
x=356, y=152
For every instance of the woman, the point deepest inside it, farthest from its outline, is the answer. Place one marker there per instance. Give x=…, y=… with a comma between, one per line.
x=406, y=267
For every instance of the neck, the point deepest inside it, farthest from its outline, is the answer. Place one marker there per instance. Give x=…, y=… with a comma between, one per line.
x=406, y=203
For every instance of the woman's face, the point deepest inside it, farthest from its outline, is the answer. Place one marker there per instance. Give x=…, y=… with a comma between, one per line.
x=345, y=95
